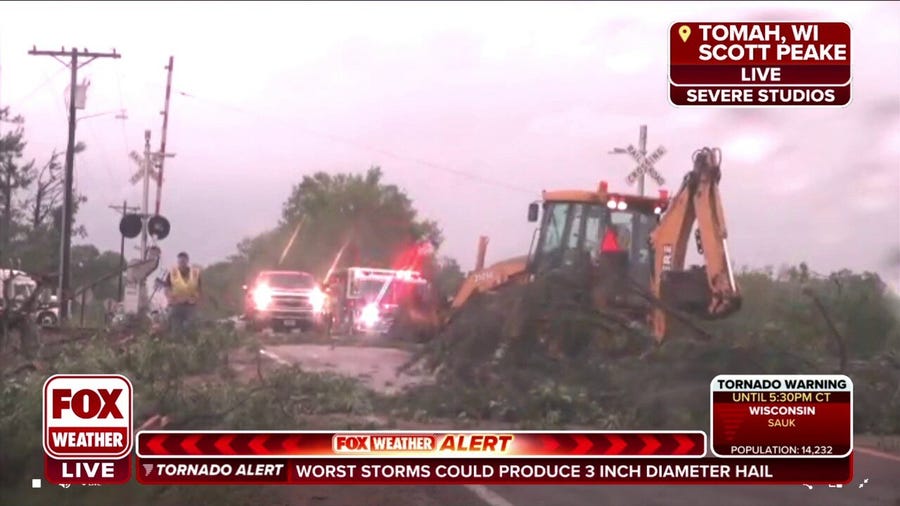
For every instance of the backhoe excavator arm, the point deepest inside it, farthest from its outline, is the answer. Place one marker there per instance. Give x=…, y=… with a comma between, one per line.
x=485, y=280
x=698, y=201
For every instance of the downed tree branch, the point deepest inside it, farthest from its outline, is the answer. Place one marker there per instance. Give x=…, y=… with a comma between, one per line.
x=27, y=366
x=203, y=417
x=155, y=422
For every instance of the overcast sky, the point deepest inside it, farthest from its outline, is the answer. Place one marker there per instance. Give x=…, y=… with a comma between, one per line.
x=527, y=96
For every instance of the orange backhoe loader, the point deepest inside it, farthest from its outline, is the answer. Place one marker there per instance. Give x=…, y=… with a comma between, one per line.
x=632, y=248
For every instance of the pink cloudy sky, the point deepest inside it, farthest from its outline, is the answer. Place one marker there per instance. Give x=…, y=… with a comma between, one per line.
x=525, y=95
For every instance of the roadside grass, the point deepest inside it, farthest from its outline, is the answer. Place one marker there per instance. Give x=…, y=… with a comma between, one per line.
x=195, y=384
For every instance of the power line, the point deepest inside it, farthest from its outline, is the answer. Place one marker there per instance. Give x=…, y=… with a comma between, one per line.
x=103, y=154
x=21, y=101
x=122, y=106
x=343, y=140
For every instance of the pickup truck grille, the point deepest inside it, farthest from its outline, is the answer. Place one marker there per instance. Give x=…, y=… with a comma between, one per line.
x=291, y=302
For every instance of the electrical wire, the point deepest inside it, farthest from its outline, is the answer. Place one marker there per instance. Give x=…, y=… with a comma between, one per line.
x=103, y=154
x=125, y=143
x=21, y=101
x=343, y=140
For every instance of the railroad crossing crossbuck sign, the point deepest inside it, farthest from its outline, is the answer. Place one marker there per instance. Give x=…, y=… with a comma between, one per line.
x=645, y=165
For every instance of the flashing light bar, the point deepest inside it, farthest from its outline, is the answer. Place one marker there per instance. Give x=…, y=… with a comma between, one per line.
x=405, y=275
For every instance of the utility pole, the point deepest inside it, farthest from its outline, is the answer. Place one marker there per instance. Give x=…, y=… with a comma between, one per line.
x=66, y=242
x=124, y=208
x=165, y=126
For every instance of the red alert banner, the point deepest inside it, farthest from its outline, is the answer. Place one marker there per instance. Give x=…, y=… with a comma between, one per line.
x=418, y=444
x=759, y=64
x=782, y=415
x=542, y=471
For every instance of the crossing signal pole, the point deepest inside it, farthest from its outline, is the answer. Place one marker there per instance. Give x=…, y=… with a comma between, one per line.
x=66, y=240
x=149, y=164
x=644, y=167
x=645, y=163
x=165, y=127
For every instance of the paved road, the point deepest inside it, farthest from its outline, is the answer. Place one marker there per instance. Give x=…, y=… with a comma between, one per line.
x=883, y=489
x=376, y=366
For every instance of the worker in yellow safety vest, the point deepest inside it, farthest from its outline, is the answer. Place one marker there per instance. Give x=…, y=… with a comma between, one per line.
x=183, y=291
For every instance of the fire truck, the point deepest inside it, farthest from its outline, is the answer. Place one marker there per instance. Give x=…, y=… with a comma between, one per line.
x=369, y=301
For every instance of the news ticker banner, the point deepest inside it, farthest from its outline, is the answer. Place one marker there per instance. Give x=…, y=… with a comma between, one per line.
x=781, y=416
x=353, y=470
x=759, y=64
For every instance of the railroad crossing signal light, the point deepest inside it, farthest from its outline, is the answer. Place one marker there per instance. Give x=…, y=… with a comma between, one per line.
x=130, y=225
x=158, y=227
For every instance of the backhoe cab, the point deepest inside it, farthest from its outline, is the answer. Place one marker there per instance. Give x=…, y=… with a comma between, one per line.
x=636, y=246
x=606, y=236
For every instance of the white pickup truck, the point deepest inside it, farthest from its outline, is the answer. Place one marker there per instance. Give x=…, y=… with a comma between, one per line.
x=283, y=300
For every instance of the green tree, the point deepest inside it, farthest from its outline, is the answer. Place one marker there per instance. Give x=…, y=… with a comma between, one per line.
x=16, y=175
x=31, y=199
x=222, y=286
x=781, y=314
x=374, y=222
x=377, y=220
x=89, y=266
x=448, y=277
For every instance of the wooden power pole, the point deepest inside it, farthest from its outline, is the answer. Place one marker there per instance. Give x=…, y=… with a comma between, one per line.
x=66, y=241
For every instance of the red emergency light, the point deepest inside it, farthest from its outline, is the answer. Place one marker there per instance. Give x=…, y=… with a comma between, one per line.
x=407, y=275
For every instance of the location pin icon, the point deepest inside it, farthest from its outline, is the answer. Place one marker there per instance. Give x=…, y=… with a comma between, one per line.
x=685, y=32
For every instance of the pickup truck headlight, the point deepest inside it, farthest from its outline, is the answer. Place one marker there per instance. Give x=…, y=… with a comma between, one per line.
x=317, y=300
x=262, y=297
